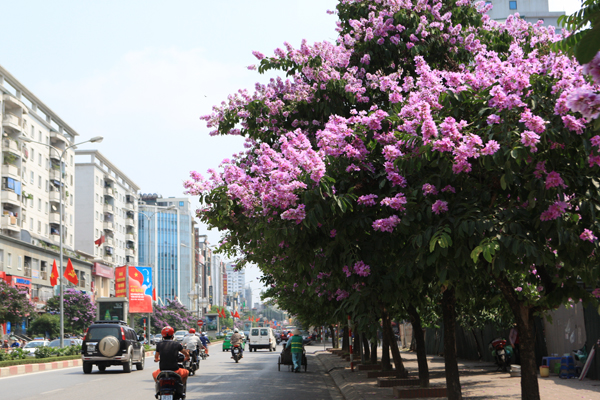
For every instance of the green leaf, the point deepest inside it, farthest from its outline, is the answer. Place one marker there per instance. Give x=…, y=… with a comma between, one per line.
x=503, y=182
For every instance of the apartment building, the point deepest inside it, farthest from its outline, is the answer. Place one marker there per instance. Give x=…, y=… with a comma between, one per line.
x=530, y=10
x=106, y=207
x=38, y=179
x=166, y=244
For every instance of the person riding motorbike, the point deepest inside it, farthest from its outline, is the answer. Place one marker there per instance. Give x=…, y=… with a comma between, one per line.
x=205, y=341
x=193, y=343
x=236, y=338
x=167, y=352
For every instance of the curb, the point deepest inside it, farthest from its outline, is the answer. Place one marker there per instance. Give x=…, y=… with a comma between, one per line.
x=345, y=387
x=29, y=368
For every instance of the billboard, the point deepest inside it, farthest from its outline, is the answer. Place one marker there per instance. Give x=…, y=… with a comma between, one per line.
x=140, y=288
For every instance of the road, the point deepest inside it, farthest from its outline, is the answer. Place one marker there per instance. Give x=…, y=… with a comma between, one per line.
x=254, y=377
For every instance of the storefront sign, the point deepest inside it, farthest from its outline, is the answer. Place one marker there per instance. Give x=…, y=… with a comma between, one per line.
x=103, y=271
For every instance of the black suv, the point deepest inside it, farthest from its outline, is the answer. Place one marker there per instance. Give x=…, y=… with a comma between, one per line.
x=109, y=343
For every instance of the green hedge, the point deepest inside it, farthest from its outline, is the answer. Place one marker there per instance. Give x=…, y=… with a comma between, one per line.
x=38, y=360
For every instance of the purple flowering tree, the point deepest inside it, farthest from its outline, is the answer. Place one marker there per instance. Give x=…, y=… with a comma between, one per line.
x=429, y=134
x=14, y=304
x=79, y=310
x=173, y=314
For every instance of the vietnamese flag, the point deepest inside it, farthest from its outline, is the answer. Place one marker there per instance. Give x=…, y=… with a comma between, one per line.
x=236, y=315
x=232, y=313
x=54, y=275
x=250, y=319
x=100, y=241
x=256, y=320
x=70, y=274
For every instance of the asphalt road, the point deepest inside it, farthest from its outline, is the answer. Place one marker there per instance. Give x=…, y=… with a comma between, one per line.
x=256, y=376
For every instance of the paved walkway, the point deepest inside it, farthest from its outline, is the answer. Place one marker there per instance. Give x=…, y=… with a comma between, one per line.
x=479, y=380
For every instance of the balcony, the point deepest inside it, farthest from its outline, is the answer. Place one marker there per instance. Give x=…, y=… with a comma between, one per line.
x=55, y=238
x=57, y=137
x=108, y=177
x=11, y=171
x=108, y=259
x=44, y=275
x=129, y=222
x=54, y=218
x=109, y=226
x=27, y=271
x=13, y=122
x=55, y=174
x=13, y=103
x=110, y=242
x=130, y=237
x=130, y=199
x=10, y=223
x=130, y=252
x=108, y=208
x=109, y=192
x=10, y=197
x=55, y=196
x=11, y=145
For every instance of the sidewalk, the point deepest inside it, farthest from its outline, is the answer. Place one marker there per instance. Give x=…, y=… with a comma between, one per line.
x=479, y=380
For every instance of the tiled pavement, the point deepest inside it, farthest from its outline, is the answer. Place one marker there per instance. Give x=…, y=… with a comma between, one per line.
x=479, y=381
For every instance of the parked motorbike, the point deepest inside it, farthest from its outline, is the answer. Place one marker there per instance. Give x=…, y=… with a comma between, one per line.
x=502, y=352
x=236, y=352
x=169, y=385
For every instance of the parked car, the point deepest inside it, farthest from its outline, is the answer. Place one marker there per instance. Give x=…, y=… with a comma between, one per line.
x=306, y=338
x=33, y=345
x=156, y=339
x=66, y=342
x=262, y=338
x=109, y=343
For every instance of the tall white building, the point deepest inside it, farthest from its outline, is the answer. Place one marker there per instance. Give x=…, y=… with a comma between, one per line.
x=106, y=207
x=236, y=280
x=38, y=175
x=529, y=10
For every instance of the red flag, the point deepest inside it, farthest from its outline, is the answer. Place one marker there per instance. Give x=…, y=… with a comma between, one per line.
x=221, y=312
x=54, y=275
x=236, y=315
x=70, y=274
x=256, y=320
x=232, y=313
x=250, y=319
x=154, y=294
x=100, y=241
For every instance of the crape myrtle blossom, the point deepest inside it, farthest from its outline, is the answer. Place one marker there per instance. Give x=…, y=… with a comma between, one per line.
x=269, y=177
x=587, y=235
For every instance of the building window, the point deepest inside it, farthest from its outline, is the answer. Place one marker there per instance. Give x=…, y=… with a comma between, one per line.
x=39, y=226
x=9, y=260
x=512, y=5
x=39, y=204
x=40, y=159
x=30, y=224
x=47, y=207
x=32, y=154
x=39, y=136
x=47, y=163
x=47, y=185
x=32, y=177
x=39, y=181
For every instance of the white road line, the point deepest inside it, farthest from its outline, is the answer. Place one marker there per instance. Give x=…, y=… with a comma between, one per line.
x=52, y=391
x=215, y=378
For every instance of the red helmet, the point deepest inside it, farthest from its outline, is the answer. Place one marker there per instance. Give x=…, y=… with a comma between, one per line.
x=167, y=331
x=192, y=330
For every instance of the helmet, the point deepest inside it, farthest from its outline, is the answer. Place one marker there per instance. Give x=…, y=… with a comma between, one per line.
x=236, y=330
x=192, y=330
x=203, y=333
x=167, y=332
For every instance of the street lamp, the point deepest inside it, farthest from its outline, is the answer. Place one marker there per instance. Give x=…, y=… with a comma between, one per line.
x=96, y=139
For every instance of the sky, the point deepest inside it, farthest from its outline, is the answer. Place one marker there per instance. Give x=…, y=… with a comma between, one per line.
x=141, y=73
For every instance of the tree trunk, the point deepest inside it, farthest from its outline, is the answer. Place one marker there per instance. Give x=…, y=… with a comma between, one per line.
x=345, y=341
x=374, y=351
x=479, y=349
x=389, y=333
x=450, y=364
x=360, y=348
x=385, y=353
x=524, y=317
x=332, y=335
x=415, y=320
x=355, y=346
x=365, y=344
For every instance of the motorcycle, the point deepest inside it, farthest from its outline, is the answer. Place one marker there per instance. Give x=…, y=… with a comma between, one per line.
x=502, y=353
x=169, y=385
x=236, y=353
x=192, y=364
x=203, y=354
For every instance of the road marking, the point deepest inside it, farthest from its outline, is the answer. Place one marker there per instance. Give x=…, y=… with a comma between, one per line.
x=215, y=378
x=52, y=391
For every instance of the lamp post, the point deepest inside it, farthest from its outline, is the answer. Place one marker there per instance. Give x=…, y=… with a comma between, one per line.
x=96, y=139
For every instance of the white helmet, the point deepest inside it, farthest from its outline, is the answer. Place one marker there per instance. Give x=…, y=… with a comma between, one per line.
x=236, y=330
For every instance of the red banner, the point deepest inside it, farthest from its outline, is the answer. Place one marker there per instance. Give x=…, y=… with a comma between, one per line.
x=139, y=302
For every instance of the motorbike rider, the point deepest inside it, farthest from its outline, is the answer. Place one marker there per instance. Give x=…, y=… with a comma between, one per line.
x=193, y=343
x=236, y=338
x=205, y=341
x=167, y=352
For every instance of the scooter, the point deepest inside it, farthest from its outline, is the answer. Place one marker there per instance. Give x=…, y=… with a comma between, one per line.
x=203, y=354
x=502, y=352
x=236, y=352
x=169, y=385
x=192, y=364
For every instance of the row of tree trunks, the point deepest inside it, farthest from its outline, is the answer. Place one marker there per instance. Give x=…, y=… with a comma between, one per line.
x=366, y=350
x=415, y=320
x=334, y=341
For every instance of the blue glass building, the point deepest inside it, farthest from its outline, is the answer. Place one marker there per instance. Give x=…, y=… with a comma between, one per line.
x=165, y=244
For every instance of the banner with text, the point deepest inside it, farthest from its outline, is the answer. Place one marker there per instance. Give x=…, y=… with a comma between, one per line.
x=140, y=288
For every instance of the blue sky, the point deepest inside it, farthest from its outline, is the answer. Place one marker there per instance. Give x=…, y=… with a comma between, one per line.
x=141, y=73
